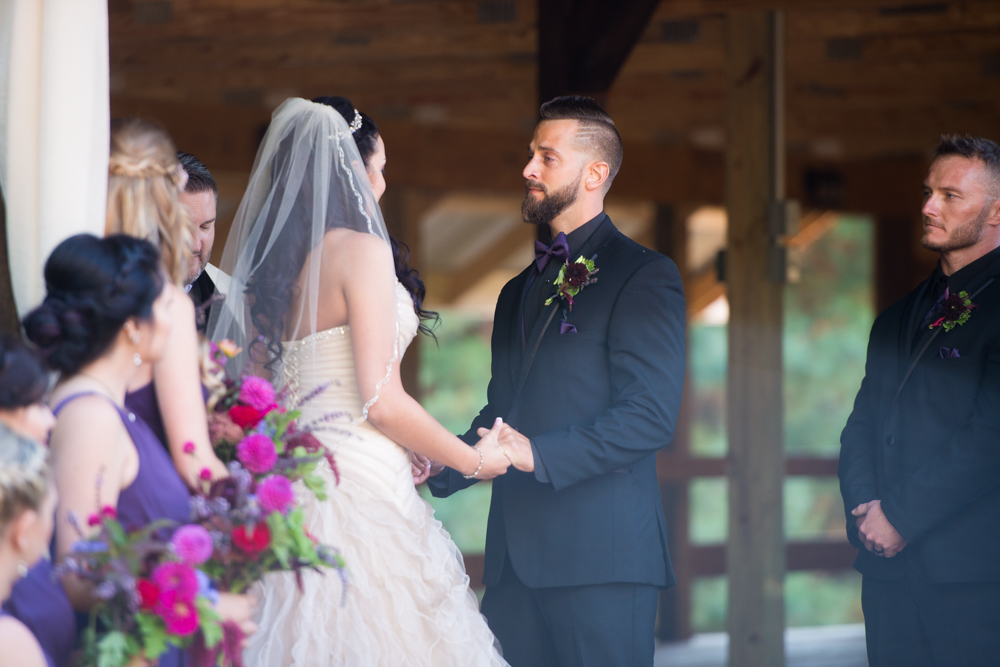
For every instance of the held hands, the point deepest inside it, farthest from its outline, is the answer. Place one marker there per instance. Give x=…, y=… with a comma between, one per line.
x=495, y=461
x=516, y=447
x=422, y=468
x=875, y=530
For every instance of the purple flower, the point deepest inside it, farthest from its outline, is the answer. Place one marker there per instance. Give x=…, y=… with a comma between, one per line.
x=275, y=493
x=257, y=453
x=257, y=393
x=192, y=544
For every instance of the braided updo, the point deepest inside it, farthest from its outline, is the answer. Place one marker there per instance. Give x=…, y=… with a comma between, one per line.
x=93, y=286
x=144, y=185
x=24, y=473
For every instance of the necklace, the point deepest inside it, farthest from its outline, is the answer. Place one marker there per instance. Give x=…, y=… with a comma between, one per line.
x=109, y=392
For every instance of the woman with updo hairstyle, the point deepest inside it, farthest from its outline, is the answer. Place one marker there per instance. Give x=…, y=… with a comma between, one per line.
x=144, y=185
x=23, y=385
x=106, y=310
x=27, y=505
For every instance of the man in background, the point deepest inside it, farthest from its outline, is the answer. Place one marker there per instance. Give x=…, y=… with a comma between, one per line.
x=201, y=197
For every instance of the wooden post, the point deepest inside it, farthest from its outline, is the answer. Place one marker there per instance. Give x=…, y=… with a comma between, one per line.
x=755, y=557
x=9, y=321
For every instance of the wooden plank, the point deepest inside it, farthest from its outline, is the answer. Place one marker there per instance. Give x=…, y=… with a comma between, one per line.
x=710, y=560
x=755, y=555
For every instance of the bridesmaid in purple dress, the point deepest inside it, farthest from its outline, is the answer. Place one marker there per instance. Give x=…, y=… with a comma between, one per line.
x=37, y=600
x=105, y=312
x=27, y=506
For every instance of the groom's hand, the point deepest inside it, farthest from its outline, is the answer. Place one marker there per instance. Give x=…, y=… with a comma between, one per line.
x=517, y=448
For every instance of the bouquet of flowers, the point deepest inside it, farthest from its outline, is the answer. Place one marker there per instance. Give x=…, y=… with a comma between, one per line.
x=148, y=597
x=247, y=424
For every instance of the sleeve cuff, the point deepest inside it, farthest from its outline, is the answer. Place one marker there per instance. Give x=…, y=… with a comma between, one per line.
x=541, y=474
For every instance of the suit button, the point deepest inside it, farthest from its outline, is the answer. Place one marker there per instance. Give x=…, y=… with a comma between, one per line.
x=889, y=440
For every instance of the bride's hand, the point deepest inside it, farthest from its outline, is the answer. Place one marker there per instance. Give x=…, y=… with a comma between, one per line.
x=423, y=468
x=239, y=609
x=495, y=462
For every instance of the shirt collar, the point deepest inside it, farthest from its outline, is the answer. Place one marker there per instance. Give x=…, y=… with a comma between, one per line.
x=581, y=234
x=963, y=276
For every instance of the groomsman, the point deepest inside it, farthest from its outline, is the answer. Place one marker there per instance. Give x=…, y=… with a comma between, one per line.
x=587, y=370
x=920, y=455
x=201, y=196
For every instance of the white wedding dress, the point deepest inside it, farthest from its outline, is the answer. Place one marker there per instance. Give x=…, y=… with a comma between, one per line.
x=407, y=600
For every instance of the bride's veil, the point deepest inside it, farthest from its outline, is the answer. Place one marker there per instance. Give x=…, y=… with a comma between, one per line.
x=308, y=178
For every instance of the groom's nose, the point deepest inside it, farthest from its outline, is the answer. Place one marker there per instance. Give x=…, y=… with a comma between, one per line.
x=530, y=172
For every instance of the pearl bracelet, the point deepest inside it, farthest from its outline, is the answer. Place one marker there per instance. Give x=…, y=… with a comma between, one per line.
x=473, y=475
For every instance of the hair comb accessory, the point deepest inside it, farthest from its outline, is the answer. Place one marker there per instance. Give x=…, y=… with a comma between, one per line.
x=356, y=123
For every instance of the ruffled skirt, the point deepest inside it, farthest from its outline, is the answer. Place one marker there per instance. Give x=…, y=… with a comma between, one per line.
x=407, y=600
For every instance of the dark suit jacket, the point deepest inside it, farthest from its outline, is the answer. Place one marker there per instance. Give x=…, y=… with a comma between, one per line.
x=202, y=290
x=597, y=404
x=932, y=455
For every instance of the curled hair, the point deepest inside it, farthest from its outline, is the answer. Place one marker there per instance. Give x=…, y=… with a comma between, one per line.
x=24, y=475
x=93, y=287
x=596, y=129
x=144, y=179
x=974, y=148
x=23, y=380
x=366, y=139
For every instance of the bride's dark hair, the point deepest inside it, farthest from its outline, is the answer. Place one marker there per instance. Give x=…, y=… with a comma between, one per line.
x=275, y=277
x=366, y=139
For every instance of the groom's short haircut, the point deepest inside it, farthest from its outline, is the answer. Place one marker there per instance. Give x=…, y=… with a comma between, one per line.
x=200, y=179
x=596, y=129
x=974, y=148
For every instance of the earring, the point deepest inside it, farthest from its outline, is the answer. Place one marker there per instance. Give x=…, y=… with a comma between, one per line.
x=134, y=337
x=22, y=569
x=137, y=359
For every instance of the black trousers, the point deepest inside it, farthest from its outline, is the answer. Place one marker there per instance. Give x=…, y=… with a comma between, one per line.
x=604, y=625
x=912, y=623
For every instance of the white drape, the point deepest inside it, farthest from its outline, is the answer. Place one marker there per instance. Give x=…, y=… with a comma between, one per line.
x=54, y=118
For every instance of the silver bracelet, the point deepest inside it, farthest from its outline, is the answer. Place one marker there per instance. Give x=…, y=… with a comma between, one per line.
x=473, y=475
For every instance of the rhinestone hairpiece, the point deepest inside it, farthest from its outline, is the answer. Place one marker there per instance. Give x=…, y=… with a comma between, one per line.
x=356, y=123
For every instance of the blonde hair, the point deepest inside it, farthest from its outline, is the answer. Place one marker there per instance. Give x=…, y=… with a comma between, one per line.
x=24, y=475
x=144, y=186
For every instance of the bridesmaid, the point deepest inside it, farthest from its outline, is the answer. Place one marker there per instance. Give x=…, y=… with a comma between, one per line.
x=26, y=509
x=106, y=312
x=38, y=600
x=144, y=185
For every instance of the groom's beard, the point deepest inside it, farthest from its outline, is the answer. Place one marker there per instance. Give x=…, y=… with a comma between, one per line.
x=543, y=211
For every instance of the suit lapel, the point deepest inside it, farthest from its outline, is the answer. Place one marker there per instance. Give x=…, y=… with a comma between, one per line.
x=549, y=314
x=515, y=356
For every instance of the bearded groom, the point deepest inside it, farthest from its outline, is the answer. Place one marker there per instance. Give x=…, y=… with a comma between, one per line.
x=587, y=370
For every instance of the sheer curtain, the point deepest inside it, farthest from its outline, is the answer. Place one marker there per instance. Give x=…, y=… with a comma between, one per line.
x=54, y=136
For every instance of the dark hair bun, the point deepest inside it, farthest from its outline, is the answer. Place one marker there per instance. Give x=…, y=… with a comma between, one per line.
x=366, y=136
x=23, y=379
x=93, y=287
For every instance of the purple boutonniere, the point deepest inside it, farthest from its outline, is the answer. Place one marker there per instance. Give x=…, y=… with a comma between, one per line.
x=572, y=278
x=956, y=309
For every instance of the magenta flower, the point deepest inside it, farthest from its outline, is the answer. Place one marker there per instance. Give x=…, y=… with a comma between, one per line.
x=189, y=447
x=257, y=393
x=257, y=453
x=178, y=613
x=178, y=578
x=275, y=493
x=192, y=544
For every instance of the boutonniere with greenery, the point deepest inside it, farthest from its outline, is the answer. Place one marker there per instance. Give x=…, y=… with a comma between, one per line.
x=572, y=278
x=956, y=309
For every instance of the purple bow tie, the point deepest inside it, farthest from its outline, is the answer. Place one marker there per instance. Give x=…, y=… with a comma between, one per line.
x=558, y=250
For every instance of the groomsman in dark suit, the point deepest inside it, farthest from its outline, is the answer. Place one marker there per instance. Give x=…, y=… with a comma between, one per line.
x=920, y=455
x=587, y=369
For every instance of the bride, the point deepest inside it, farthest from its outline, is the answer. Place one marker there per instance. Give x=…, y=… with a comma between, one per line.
x=315, y=280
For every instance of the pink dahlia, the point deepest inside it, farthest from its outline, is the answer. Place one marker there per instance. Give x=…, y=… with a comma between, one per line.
x=257, y=453
x=178, y=614
x=192, y=544
x=257, y=393
x=177, y=578
x=275, y=493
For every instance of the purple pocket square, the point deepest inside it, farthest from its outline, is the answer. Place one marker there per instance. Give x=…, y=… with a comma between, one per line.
x=566, y=327
x=948, y=353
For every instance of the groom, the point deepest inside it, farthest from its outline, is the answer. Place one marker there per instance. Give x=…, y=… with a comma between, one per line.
x=588, y=364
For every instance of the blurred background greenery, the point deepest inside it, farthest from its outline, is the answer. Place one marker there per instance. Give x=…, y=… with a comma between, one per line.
x=829, y=310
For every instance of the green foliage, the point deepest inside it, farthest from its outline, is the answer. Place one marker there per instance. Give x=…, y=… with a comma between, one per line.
x=210, y=621
x=154, y=634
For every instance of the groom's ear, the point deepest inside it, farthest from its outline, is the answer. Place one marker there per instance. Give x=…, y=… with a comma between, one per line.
x=596, y=175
